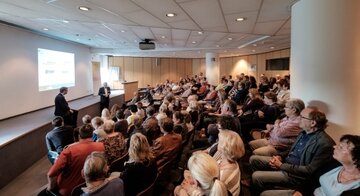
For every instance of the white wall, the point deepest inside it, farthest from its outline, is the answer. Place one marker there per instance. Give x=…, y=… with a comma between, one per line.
x=19, y=72
x=325, y=60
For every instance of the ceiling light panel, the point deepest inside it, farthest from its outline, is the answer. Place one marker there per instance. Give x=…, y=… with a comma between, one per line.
x=159, y=11
x=159, y=32
x=245, y=26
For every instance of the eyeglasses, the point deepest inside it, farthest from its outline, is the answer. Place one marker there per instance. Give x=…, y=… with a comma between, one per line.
x=305, y=118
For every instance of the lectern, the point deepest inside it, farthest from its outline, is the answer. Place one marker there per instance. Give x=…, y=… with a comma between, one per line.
x=129, y=89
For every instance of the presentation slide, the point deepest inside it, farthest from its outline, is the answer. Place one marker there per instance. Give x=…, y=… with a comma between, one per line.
x=56, y=69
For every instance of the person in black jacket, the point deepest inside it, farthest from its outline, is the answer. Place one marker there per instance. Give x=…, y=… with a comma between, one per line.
x=62, y=108
x=104, y=93
x=59, y=137
x=140, y=171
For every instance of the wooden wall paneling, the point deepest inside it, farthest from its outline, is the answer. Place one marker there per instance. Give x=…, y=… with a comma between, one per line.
x=203, y=66
x=138, y=71
x=147, y=66
x=222, y=68
x=285, y=53
x=180, y=69
x=129, y=69
x=188, y=67
x=252, y=60
x=226, y=65
x=172, y=69
x=164, y=64
x=240, y=65
x=119, y=62
x=155, y=71
x=196, y=67
x=276, y=54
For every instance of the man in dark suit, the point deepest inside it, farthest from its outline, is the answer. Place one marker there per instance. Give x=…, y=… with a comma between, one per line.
x=59, y=137
x=104, y=93
x=62, y=108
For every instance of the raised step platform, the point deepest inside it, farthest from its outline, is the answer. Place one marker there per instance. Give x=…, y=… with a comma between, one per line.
x=22, y=138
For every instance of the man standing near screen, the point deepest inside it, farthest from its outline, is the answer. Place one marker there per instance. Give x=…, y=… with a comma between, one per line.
x=104, y=93
x=62, y=108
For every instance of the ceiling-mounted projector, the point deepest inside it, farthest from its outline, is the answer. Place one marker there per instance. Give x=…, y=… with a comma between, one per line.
x=146, y=45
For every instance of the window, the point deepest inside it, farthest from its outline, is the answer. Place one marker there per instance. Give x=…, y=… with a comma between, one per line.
x=278, y=64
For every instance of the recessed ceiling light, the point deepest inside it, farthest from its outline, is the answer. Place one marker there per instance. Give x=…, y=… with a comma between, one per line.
x=83, y=8
x=163, y=36
x=45, y=29
x=230, y=38
x=272, y=47
x=240, y=19
x=194, y=42
x=254, y=44
x=170, y=15
x=200, y=32
x=122, y=31
x=65, y=21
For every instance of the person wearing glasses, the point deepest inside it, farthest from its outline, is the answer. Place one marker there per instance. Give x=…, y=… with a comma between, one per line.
x=311, y=151
x=282, y=133
x=343, y=179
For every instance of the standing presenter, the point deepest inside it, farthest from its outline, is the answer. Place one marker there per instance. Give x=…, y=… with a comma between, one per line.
x=104, y=93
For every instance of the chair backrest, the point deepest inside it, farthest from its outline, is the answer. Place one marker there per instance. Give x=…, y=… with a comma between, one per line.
x=77, y=191
x=148, y=191
x=118, y=164
x=164, y=172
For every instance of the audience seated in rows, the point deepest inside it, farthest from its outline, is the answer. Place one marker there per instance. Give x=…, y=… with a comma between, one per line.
x=310, y=152
x=265, y=115
x=341, y=180
x=230, y=149
x=202, y=178
x=65, y=174
x=99, y=133
x=59, y=137
x=166, y=147
x=282, y=133
x=151, y=125
x=114, y=143
x=96, y=177
x=140, y=170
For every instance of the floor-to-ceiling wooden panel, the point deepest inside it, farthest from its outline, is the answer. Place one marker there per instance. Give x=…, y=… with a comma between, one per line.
x=138, y=71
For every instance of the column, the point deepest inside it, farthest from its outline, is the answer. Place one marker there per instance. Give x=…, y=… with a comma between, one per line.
x=212, y=68
x=325, y=60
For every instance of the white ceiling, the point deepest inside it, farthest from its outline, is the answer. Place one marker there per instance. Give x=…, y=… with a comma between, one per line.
x=115, y=27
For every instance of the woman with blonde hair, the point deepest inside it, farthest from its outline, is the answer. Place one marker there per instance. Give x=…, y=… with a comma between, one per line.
x=141, y=163
x=203, y=178
x=105, y=114
x=230, y=149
